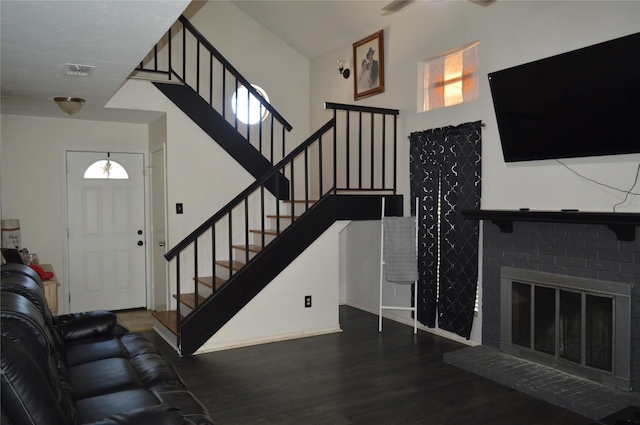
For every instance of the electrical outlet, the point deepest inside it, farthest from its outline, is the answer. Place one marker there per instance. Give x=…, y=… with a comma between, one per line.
x=179, y=209
x=307, y=301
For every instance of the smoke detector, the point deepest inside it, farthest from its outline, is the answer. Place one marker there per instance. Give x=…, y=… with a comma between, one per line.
x=79, y=70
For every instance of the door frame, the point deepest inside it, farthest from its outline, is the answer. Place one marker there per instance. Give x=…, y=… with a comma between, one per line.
x=153, y=302
x=63, y=307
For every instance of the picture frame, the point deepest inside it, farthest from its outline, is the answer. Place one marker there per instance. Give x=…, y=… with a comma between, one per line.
x=368, y=66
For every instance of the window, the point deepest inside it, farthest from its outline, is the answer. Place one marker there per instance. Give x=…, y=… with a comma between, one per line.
x=448, y=79
x=247, y=107
x=106, y=169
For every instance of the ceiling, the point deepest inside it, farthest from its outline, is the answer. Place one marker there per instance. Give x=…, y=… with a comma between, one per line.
x=40, y=37
x=318, y=26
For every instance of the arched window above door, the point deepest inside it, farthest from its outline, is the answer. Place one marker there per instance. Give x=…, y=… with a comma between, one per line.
x=106, y=169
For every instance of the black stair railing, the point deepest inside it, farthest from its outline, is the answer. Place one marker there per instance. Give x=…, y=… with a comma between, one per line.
x=354, y=151
x=185, y=55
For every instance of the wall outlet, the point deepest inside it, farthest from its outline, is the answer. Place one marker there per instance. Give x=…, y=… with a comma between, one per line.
x=307, y=301
x=179, y=208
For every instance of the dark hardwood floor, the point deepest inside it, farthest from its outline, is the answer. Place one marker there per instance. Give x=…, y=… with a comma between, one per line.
x=357, y=376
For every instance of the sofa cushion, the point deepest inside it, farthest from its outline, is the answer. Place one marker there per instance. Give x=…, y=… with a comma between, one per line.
x=162, y=414
x=99, y=407
x=24, y=402
x=21, y=321
x=92, y=349
x=190, y=406
x=102, y=377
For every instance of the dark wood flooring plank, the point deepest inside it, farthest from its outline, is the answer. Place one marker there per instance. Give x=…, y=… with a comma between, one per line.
x=358, y=376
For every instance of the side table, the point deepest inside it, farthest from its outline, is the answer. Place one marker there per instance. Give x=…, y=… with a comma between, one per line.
x=51, y=289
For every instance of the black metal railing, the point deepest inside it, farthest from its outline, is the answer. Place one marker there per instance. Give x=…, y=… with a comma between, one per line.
x=185, y=55
x=354, y=151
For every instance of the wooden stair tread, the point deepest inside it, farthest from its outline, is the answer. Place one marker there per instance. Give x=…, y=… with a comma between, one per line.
x=236, y=265
x=190, y=300
x=250, y=248
x=283, y=216
x=266, y=231
x=168, y=320
x=208, y=281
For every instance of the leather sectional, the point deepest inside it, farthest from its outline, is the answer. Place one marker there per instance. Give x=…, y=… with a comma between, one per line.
x=81, y=368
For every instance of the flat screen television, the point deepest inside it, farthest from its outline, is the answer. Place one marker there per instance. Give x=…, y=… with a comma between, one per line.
x=581, y=103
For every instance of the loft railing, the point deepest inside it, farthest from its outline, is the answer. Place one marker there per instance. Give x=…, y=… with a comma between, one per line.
x=185, y=55
x=354, y=150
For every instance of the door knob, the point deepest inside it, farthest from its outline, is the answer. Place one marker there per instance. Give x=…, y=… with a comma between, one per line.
x=140, y=243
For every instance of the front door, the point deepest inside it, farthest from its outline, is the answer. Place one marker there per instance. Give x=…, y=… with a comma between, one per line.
x=105, y=204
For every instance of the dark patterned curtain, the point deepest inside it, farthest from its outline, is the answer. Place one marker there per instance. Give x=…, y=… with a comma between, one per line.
x=445, y=175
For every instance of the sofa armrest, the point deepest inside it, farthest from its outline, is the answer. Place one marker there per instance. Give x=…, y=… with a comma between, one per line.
x=161, y=414
x=82, y=325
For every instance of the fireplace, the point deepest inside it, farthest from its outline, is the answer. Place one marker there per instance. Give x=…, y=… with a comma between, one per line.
x=574, y=250
x=574, y=324
x=580, y=254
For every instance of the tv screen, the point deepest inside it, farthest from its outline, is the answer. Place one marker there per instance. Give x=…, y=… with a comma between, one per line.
x=582, y=103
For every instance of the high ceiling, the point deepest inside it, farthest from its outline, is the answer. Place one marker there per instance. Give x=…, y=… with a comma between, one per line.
x=40, y=37
x=313, y=27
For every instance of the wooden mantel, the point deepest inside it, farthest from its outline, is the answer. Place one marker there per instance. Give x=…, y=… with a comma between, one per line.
x=622, y=224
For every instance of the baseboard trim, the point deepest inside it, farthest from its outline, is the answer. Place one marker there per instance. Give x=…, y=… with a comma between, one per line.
x=409, y=322
x=228, y=345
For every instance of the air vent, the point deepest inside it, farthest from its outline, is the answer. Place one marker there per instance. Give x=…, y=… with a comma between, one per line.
x=79, y=70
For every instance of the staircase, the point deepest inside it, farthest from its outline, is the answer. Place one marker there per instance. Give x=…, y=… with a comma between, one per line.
x=340, y=172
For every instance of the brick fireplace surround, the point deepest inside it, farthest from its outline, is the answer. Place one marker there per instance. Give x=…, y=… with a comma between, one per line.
x=582, y=250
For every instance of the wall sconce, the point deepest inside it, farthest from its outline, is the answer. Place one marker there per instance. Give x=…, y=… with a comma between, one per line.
x=70, y=105
x=343, y=68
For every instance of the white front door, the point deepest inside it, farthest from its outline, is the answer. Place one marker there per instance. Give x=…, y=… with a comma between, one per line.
x=107, y=262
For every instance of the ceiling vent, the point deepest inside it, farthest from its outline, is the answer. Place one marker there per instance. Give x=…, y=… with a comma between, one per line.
x=80, y=70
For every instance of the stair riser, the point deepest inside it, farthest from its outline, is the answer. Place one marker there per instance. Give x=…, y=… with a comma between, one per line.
x=241, y=254
x=256, y=238
x=222, y=272
x=184, y=310
x=293, y=208
x=284, y=223
x=204, y=290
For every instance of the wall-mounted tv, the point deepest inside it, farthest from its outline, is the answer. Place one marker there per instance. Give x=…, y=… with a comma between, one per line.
x=581, y=103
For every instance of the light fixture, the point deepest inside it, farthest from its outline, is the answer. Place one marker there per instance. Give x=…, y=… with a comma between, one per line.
x=70, y=105
x=343, y=68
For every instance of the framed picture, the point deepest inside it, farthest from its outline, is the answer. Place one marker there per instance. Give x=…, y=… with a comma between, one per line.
x=368, y=66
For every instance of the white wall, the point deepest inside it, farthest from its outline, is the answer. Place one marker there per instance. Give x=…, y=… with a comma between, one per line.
x=261, y=57
x=510, y=33
x=198, y=169
x=33, y=177
x=278, y=312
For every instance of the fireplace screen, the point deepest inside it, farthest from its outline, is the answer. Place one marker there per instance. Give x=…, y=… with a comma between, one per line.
x=576, y=324
x=573, y=326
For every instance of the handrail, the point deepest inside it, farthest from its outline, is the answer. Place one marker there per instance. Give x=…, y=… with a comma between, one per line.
x=361, y=108
x=198, y=35
x=195, y=62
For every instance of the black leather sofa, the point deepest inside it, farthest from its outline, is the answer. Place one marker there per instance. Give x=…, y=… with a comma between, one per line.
x=81, y=368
